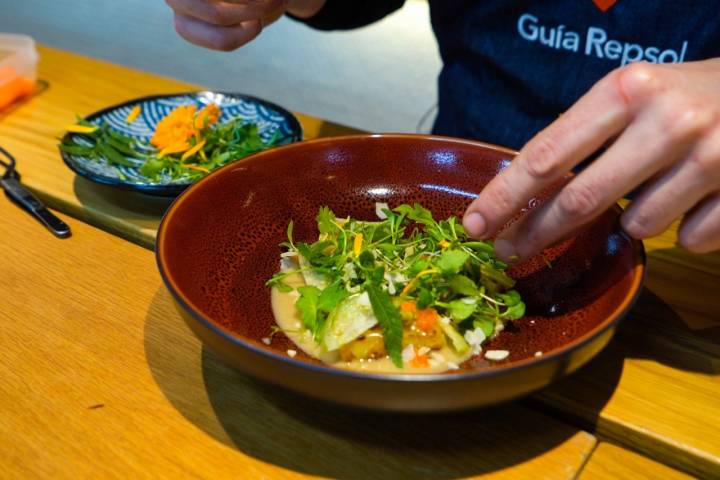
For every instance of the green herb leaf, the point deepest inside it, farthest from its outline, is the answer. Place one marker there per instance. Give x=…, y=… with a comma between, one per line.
x=283, y=287
x=389, y=320
x=113, y=156
x=277, y=281
x=461, y=309
x=463, y=285
x=416, y=213
x=425, y=298
x=377, y=276
x=290, y=233
x=308, y=306
x=495, y=277
x=74, y=149
x=514, y=312
x=326, y=220
x=486, y=324
x=366, y=259
x=152, y=167
x=417, y=267
x=486, y=247
x=515, y=306
x=451, y=261
x=510, y=298
x=331, y=296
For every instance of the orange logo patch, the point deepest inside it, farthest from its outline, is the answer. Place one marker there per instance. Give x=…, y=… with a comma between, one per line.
x=604, y=5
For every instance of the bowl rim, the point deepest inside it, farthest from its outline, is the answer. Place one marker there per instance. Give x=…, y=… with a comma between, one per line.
x=627, y=303
x=174, y=189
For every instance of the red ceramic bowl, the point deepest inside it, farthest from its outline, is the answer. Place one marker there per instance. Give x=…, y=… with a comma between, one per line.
x=218, y=244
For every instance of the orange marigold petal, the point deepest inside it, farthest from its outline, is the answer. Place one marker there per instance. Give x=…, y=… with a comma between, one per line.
x=177, y=127
x=174, y=148
x=198, y=146
x=207, y=116
x=199, y=168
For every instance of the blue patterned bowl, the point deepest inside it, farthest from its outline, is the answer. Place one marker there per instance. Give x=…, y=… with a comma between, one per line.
x=270, y=119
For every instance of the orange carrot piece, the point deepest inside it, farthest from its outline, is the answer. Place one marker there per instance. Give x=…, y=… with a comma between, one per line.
x=420, y=361
x=427, y=318
x=408, y=306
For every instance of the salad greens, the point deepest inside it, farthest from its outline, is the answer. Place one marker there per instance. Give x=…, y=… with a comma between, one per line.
x=408, y=278
x=207, y=148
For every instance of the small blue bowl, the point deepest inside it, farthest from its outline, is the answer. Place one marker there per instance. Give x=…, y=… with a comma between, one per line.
x=270, y=118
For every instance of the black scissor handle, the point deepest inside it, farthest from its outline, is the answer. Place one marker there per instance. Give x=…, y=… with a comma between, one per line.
x=25, y=199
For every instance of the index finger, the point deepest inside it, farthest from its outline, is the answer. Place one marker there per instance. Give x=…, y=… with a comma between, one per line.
x=599, y=115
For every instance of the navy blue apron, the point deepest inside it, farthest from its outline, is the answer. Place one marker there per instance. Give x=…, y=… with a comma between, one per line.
x=511, y=67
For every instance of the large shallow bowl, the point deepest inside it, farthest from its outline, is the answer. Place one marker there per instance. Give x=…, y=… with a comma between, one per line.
x=218, y=244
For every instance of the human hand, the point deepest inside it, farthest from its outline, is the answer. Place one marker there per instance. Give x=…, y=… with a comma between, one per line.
x=663, y=122
x=230, y=24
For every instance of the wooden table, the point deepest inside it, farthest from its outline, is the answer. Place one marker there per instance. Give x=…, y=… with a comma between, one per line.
x=78, y=85
x=102, y=379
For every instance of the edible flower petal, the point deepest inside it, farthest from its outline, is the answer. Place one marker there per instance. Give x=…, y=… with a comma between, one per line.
x=198, y=146
x=199, y=168
x=133, y=114
x=81, y=128
x=175, y=129
x=173, y=148
x=357, y=244
x=207, y=116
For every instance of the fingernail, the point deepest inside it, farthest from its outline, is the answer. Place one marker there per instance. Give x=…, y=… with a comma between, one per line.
x=474, y=224
x=506, y=251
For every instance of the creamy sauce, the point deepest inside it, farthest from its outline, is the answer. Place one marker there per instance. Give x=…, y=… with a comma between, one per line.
x=288, y=318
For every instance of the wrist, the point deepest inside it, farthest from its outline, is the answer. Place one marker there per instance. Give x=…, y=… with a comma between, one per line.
x=305, y=8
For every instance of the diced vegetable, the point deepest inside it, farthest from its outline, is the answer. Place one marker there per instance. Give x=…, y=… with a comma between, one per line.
x=352, y=317
x=456, y=340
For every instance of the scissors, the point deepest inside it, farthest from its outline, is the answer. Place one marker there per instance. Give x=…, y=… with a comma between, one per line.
x=10, y=182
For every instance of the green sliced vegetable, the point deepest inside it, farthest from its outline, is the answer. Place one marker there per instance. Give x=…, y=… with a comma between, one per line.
x=456, y=340
x=352, y=317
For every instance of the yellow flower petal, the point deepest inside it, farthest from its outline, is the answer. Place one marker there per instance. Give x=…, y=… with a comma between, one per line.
x=444, y=243
x=134, y=113
x=412, y=283
x=357, y=244
x=80, y=128
x=198, y=146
